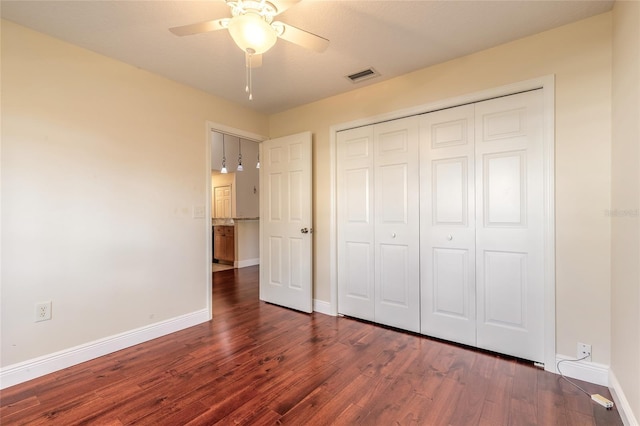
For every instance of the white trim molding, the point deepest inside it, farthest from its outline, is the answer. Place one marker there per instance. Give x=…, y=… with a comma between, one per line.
x=246, y=262
x=621, y=401
x=37, y=367
x=233, y=131
x=322, y=307
x=591, y=372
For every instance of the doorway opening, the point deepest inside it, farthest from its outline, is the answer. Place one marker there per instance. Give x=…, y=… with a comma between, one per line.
x=234, y=206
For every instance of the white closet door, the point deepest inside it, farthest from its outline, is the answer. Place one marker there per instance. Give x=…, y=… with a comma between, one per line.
x=355, y=223
x=447, y=225
x=397, y=269
x=509, y=225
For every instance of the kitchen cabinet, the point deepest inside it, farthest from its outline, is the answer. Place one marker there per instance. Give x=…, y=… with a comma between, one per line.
x=224, y=243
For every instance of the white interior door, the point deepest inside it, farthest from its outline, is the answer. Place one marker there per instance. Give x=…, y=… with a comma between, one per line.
x=355, y=223
x=510, y=225
x=447, y=225
x=286, y=222
x=397, y=229
x=222, y=201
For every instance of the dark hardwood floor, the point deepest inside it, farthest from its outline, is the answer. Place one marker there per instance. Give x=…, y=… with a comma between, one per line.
x=260, y=364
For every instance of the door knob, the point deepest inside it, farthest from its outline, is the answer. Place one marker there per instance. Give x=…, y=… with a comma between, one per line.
x=305, y=230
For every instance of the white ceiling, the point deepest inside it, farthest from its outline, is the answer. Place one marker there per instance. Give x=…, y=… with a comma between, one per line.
x=394, y=37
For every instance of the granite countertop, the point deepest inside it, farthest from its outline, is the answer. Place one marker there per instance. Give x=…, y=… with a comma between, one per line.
x=230, y=221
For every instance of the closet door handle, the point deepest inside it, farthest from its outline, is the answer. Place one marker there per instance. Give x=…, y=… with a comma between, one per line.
x=450, y=237
x=393, y=235
x=304, y=230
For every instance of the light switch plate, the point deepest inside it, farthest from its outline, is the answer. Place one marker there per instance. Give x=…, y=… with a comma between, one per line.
x=198, y=212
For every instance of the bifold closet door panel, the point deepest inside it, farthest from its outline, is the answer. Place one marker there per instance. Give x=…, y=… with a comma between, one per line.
x=510, y=225
x=447, y=225
x=397, y=228
x=355, y=223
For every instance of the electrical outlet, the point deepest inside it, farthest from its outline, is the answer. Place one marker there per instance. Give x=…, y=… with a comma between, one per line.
x=43, y=311
x=584, y=350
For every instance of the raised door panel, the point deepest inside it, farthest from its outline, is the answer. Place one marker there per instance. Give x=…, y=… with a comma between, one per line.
x=355, y=223
x=505, y=189
x=219, y=247
x=505, y=289
x=224, y=243
x=396, y=205
x=230, y=244
x=510, y=225
x=447, y=225
x=450, y=276
x=450, y=189
x=394, y=276
x=277, y=276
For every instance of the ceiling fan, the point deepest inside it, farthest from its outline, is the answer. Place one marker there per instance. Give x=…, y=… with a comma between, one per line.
x=253, y=29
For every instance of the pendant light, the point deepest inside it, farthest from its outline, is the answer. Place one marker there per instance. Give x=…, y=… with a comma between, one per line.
x=240, y=168
x=224, y=159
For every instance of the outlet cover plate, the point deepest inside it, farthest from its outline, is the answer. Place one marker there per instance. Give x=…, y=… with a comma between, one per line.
x=584, y=350
x=43, y=311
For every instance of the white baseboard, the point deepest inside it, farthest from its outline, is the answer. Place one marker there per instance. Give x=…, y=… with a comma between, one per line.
x=27, y=370
x=591, y=372
x=322, y=307
x=620, y=399
x=246, y=262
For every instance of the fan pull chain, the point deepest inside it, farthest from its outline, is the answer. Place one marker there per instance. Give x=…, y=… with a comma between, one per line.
x=246, y=76
x=249, y=86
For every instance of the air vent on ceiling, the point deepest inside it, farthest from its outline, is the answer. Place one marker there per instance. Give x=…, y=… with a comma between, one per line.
x=359, y=76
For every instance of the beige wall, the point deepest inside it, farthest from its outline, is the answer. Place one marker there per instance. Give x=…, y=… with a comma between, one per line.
x=625, y=202
x=101, y=165
x=247, y=243
x=579, y=55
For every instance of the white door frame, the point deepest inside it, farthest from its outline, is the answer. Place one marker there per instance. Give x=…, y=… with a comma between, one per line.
x=231, y=131
x=547, y=83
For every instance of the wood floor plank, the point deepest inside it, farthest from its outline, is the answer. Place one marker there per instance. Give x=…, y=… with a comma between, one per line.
x=260, y=364
x=339, y=401
x=445, y=402
x=474, y=391
x=523, y=407
x=30, y=402
x=492, y=414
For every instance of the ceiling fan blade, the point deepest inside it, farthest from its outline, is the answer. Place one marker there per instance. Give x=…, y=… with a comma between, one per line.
x=200, y=27
x=282, y=5
x=255, y=62
x=303, y=38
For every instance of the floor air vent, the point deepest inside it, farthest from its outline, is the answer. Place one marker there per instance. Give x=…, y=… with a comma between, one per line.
x=363, y=75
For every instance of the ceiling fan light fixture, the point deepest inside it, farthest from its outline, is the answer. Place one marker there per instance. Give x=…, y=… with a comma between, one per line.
x=252, y=33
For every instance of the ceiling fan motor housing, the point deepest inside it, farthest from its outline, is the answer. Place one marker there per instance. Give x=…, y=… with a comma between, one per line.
x=251, y=27
x=252, y=33
x=264, y=9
